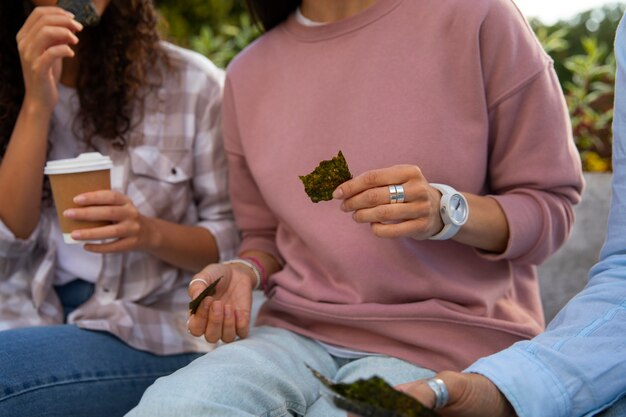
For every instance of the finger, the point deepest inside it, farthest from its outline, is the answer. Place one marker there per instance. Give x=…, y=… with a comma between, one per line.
x=198, y=283
x=51, y=31
x=43, y=12
x=33, y=48
x=416, y=228
x=393, y=212
x=419, y=390
x=398, y=174
x=198, y=322
x=229, y=332
x=414, y=191
x=369, y=198
x=101, y=198
x=125, y=230
x=105, y=213
x=242, y=323
x=213, y=331
x=44, y=63
x=115, y=246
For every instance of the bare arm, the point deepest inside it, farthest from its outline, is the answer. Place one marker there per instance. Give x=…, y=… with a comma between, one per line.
x=43, y=42
x=486, y=227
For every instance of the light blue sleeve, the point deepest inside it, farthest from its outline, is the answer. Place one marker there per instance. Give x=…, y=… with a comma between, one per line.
x=578, y=365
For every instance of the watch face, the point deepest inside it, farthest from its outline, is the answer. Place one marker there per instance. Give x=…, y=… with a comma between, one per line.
x=458, y=209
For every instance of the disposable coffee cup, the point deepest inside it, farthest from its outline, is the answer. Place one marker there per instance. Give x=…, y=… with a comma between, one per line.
x=71, y=177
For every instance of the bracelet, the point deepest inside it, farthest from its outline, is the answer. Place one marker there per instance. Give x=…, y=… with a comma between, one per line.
x=261, y=268
x=257, y=273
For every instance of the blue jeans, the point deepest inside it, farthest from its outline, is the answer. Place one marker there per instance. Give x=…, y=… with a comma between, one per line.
x=264, y=375
x=67, y=371
x=618, y=409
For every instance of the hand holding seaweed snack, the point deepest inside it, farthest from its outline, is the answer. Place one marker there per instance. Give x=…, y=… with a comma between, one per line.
x=373, y=397
x=320, y=184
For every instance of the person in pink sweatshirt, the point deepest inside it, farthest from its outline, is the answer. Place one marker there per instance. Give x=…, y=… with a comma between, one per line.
x=451, y=119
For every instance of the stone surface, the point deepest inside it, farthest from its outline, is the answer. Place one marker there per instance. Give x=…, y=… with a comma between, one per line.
x=566, y=272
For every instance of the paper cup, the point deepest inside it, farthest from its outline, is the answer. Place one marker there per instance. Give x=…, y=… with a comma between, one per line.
x=71, y=177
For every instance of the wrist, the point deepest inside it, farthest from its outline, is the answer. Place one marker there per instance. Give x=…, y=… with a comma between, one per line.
x=153, y=239
x=37, y=109
x=249, y=268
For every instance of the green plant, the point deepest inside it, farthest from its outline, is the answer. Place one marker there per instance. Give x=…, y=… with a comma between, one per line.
x=222, y=44
x=590, y=102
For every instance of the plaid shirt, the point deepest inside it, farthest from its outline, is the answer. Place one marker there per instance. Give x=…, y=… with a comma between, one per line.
x=174, y=168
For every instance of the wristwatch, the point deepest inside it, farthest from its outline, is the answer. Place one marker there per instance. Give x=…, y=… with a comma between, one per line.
x=453, y=209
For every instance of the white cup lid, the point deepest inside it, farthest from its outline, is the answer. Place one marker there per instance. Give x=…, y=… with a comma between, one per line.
x=85, y=162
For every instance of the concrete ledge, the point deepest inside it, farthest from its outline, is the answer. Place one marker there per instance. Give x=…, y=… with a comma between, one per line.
x=566, y=272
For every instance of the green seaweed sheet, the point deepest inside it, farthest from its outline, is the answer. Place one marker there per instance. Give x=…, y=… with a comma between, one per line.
x=320, y=184
x=210, y=290
x=84, y=11
x=373, y=397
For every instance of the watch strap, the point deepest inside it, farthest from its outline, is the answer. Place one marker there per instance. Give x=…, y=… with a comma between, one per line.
x=449, y=229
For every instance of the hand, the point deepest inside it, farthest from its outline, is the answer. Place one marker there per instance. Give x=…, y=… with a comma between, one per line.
x=43, y=42
x=367, y=196
x=226, y=315
x=129, y=230
x=470, y=395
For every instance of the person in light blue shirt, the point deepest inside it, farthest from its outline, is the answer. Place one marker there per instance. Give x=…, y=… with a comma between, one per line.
x=577, y=367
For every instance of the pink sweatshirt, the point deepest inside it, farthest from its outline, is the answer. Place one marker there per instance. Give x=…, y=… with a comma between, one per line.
x=461, y=89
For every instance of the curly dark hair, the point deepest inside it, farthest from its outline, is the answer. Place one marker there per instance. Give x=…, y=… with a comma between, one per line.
x=269, y=14
x=117, y=59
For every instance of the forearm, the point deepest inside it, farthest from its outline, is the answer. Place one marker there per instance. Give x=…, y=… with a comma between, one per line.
x=486, y=226
x=21, y=171
x=187, y=247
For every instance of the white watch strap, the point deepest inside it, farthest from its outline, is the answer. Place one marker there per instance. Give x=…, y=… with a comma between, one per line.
x=449, y=229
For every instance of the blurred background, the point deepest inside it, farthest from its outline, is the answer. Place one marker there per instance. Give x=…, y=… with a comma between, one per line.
x=578, y=34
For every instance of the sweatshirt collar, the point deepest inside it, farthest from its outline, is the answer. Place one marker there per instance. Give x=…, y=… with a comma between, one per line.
x=341, y=27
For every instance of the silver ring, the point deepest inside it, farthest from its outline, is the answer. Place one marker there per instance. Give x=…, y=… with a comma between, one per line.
x=440, y=390
x=396, y=194
x=197, y=279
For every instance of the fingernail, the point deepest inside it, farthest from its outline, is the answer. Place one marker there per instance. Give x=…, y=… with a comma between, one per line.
x=76, y=235
x=69, y=213
x=338, y=193
x=79, y=199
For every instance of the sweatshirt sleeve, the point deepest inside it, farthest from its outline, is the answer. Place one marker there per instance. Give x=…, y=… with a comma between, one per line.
x=252, y=215
x=534, y=168
x=577, y=366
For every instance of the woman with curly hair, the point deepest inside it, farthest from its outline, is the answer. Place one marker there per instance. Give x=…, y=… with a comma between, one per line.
x=95, y=324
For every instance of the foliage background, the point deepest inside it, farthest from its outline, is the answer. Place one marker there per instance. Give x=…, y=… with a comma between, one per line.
x=582, y=49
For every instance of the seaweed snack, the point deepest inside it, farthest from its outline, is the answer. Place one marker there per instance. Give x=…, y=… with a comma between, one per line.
x=84, y=11
x=320, y=184
x=210, y=290
x=373, y=397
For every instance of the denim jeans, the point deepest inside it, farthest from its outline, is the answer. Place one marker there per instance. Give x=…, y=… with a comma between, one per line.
x=264, y=375
x=618, y=409
x=66, y=371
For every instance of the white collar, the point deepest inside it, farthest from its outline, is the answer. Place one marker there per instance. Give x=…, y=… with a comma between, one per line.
x=305, y=20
